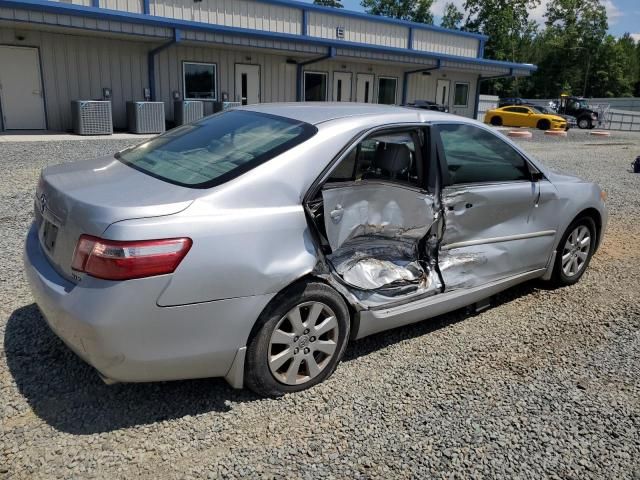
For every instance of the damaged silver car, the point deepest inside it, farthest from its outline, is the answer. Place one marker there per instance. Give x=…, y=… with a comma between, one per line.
x=254, y=244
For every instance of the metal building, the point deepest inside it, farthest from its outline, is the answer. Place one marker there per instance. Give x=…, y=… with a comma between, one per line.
x=54, y=52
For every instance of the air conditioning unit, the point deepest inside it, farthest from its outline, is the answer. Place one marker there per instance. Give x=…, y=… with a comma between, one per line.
x=145, y=117
x=187, y=111
x=92, y=117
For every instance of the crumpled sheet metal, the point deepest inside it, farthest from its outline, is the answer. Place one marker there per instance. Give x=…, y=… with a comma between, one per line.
x=381, y=267
x=390, y=211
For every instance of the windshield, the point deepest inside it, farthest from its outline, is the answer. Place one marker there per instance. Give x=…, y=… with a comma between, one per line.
x=216, y=149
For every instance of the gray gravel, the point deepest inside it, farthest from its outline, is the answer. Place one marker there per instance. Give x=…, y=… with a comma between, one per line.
x=545, y=384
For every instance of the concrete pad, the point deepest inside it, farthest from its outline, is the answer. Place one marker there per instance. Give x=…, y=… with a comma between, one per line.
x=50, y=136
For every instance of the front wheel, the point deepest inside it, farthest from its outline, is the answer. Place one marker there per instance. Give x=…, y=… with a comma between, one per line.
x=301, y=338
x=496, y=121
x=574, y=251
x=584, y=123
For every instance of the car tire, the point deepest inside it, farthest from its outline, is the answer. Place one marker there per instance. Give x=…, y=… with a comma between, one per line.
x=496, y=121
x=584, y=123
x=544, y=125
x=563, y=276
x=277, y=352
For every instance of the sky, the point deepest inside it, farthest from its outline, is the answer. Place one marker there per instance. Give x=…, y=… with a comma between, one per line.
x=624, y=15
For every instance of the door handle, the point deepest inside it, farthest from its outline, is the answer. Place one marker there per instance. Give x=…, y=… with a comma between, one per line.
x=336, y=213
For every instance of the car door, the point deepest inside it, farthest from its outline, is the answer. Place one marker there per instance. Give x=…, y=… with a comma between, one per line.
x=516, y=117
x=499, y=213
x=375, y=190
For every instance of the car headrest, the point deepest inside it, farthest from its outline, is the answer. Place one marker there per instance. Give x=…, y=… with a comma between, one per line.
x=392, y=159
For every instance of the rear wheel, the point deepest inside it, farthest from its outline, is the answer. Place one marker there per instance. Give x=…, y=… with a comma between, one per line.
x=300, y=341
x=496, y=121
x=574, y=251
x=584, y=122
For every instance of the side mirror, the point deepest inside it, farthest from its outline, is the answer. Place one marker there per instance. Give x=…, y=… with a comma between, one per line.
x=536, y=175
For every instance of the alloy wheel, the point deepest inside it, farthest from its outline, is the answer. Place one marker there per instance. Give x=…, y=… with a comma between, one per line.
x=576, y=251
x=303, y=343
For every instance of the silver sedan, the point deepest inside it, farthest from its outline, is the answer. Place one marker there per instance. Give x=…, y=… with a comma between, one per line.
x=254, y=244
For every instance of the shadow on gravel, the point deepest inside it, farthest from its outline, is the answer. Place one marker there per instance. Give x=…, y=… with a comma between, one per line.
x=67, y=394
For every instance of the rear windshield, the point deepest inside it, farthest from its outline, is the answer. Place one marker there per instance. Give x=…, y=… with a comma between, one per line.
x=216, y=149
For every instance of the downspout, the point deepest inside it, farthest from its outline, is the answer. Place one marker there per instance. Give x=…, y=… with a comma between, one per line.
x=299, y=70
x=151, y=61
x=405, y=78
x=482, y=79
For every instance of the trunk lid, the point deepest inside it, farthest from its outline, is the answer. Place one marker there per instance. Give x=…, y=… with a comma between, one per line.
x=86, y=197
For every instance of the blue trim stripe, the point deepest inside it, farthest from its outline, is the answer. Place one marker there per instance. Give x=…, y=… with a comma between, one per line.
x=146, y=8
x=137, y=18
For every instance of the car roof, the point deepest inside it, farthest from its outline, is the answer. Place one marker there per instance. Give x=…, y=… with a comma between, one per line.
x=319, y=112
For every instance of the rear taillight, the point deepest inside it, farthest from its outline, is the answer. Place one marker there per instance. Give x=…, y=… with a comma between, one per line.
x=115, y=260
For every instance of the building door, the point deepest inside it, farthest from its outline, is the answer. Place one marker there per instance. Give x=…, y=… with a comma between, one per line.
x=247, y=84
x=442, y=92
x=342, y=86
x=364, y=88
x=21, y=98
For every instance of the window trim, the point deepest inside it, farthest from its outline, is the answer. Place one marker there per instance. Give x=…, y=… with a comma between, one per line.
x=215, y=81
x=444, y=165
x=455, y=86
x=324, y=176
x=304, y=85
x=387, y=77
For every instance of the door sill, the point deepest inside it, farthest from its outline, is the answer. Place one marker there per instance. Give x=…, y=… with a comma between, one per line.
x=387, y=317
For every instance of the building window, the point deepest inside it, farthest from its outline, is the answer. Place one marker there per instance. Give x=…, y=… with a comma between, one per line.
x=315, y=87
x=461, y=95
x=199, y=81
x=387, y=88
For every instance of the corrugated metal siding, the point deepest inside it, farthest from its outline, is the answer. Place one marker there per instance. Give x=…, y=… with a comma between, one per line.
x=86, y=3
x=232, y=13
x=84, y=23
x=134, y=6
x=440, y=42
x=78, y=67
x=356, y=30
x=220, y=38
x=277, y=78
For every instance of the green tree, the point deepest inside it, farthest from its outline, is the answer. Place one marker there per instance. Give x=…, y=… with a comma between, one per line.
x=329, y=3
x=452, y=16
x=414, y=10
x=608, y=76
x=575, y=30
x=511, y=35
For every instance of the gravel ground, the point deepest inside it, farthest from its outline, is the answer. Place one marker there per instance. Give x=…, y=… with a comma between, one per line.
x=545, y=384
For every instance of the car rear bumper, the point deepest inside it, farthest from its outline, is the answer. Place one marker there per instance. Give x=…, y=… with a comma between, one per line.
x=118, y=328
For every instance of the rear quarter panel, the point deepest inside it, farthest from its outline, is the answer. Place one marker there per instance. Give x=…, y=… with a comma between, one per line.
x=250, y=235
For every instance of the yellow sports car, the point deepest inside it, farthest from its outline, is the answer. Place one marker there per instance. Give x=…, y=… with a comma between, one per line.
x=524, y=116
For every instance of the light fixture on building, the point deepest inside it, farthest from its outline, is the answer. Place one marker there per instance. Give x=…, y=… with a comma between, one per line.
x=291, y=61
x=106, y=93
x=247, y=58
x=146, y=94
x=176, y=95
x=426, y=73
